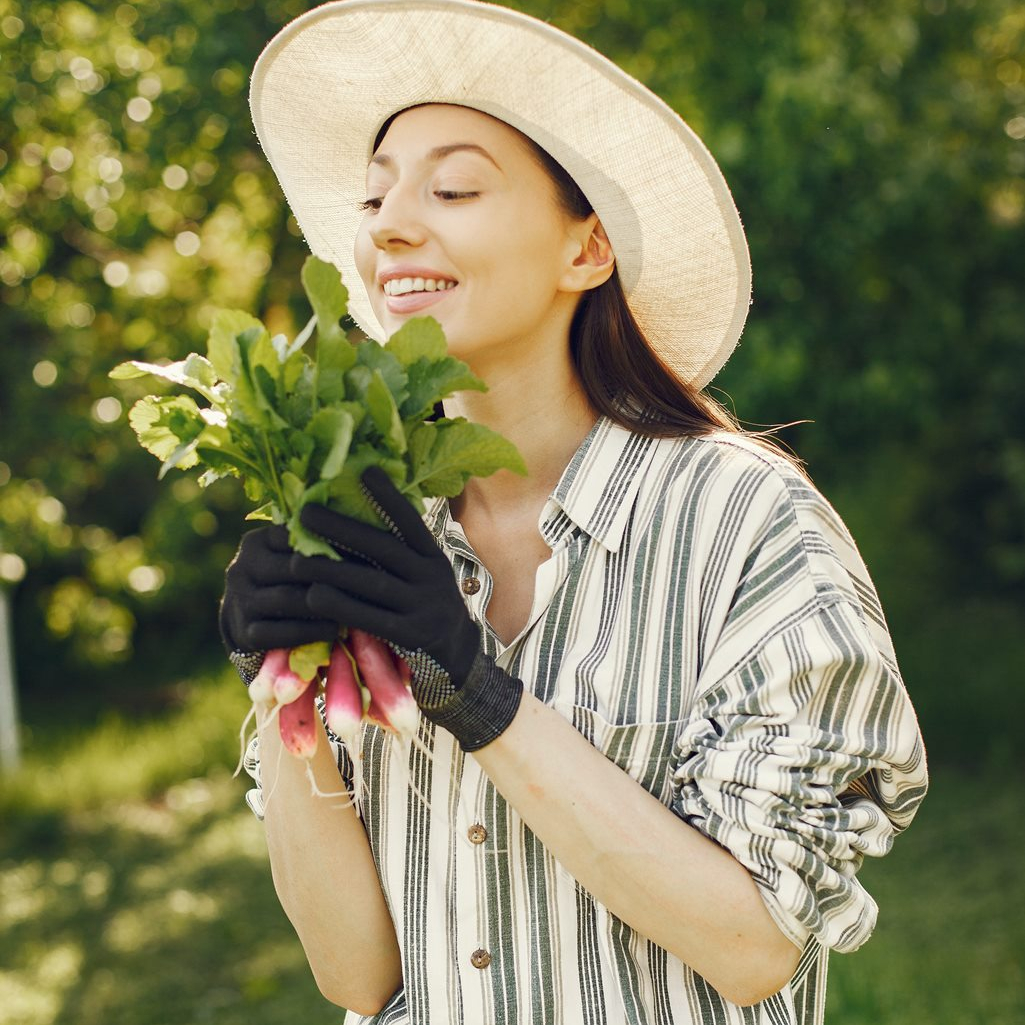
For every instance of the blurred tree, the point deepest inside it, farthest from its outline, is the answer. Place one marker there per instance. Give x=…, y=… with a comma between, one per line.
x=877, y=154
x=135, y=202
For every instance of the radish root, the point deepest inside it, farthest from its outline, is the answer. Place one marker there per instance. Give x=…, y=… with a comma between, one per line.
x=244, y=740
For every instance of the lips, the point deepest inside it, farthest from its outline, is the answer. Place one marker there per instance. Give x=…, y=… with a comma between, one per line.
x=414, y=302
x=403, y=286
x=410, y=289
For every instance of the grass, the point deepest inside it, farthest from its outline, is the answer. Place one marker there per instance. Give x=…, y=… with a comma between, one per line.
x=949, y=947
x=153, y=913
x=135, y=891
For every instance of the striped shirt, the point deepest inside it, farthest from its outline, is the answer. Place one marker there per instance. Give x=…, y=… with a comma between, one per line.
x=706, y=622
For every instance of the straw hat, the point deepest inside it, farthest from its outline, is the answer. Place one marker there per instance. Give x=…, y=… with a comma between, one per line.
x=328, y=81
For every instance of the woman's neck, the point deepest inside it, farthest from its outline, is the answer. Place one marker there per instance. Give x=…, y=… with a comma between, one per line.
x=544, y=411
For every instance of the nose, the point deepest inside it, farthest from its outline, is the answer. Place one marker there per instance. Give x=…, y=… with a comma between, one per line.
x=397, y=223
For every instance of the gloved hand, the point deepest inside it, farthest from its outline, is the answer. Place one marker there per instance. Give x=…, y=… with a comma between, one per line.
x=401, y=588
x=264, y=606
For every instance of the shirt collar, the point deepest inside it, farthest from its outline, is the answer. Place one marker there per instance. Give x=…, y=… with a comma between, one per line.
x=595, y=493
x=597, y=489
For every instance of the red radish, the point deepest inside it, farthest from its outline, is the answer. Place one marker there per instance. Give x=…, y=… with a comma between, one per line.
x=402, y=668
x=261, y=689
x=343, y=696
x=391, y=702
x=297, y=722
x=276, y=672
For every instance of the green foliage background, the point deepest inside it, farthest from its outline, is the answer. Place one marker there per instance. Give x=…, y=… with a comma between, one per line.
x=876, y=153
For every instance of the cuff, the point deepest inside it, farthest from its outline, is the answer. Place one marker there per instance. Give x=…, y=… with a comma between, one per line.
x=483, y=707
x=247, y=664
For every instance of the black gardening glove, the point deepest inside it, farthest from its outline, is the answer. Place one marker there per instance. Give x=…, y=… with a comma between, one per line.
x=264, y=605
x=402, y=590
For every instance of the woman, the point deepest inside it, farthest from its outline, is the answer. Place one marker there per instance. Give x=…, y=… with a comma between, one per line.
x=662, y=723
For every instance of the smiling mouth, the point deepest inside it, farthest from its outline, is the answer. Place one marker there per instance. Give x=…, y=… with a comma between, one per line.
x=406, y=286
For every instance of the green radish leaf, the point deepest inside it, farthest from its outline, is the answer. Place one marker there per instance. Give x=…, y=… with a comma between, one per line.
x=357, y=380
x=328, y=296
x=242, y=442
x=331, y=430
x=292, y=488
x=135, y=368
x=261, y=494
x=208, y=476
x=292, y=370
x=298, y=536
x=216, y=450
x=345, y=492
x=382, y=410
x=194, y=372
x=266, y=386
x=263, y=356
x=306, y=543
x=375, y=357
x=297, y=430
x=247, y=406
x=335, y=354
x=431, y=381
x=300, y=446
x=419, y=338
x=461, y=450
x=305, y=660
x=299, y=465
x=420, y=439
x=265, y=512
x=330, y=375
x=222, y=346
x=183, y=457
x=256, y=388
x=298, y=405
x=163, y=424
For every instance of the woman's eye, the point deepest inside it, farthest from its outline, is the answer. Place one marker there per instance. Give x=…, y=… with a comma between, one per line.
x=374, y=203
x=450, y=196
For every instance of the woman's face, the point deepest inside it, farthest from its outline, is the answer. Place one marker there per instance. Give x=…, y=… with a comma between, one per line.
x=462, y=224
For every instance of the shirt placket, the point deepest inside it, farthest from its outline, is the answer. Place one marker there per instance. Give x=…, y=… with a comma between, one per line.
x=481, y=824
x=477, y=844
x=473, y=829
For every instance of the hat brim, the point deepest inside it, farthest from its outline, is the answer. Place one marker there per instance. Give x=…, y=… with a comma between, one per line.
x=328, y=81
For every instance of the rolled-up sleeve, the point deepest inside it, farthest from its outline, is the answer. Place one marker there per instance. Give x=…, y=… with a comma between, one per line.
x=801, y=761
x=800, y=752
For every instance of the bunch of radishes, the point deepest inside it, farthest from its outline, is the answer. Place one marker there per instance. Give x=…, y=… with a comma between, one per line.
x=296, y=429
x=361, y=678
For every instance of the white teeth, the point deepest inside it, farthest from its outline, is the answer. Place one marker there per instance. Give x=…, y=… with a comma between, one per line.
x=402, y=286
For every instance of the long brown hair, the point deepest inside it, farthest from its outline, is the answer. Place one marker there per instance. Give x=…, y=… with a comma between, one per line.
x=623, y=377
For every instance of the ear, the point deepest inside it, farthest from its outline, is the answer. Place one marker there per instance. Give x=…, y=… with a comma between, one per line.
x=591, y=258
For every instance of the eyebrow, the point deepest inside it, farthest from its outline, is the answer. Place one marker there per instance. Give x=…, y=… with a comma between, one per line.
x=439, y=153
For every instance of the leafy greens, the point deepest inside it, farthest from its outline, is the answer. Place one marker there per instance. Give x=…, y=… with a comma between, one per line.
x=297, y=429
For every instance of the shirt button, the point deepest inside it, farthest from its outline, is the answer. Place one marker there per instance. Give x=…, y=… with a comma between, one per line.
x=471, y=585
x=480, y=959
x=477, y=833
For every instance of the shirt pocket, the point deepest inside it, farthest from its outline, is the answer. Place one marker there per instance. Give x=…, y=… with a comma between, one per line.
x=643, y=750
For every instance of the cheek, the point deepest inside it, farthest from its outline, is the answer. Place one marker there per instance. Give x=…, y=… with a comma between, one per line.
x=363, y=252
